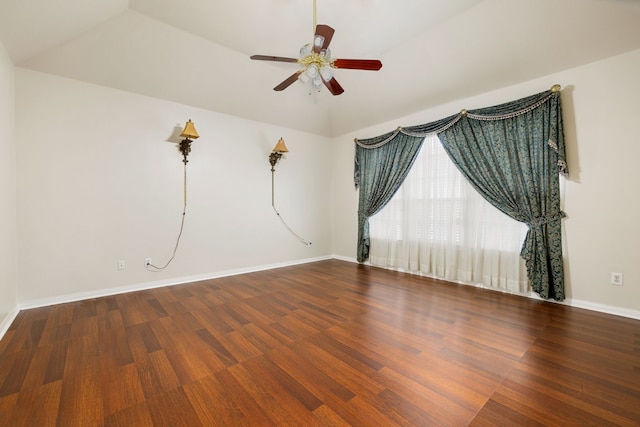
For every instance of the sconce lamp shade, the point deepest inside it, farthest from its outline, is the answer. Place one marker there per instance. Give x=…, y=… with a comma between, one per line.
x=280, y=147
x=189, y=131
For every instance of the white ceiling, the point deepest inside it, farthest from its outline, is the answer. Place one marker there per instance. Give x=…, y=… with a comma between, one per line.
x=196, y=52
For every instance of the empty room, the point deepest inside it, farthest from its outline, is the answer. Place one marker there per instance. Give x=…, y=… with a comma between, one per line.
x=319, y=213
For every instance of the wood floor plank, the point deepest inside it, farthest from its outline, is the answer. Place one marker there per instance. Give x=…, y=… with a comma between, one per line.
x=296, y=327
x=19, y=334
x=213, y=404
x=35, y=375
x=134, y=308
x=220, y=350
x=81, y=395
x=349, y=348
x=441, y=410
x=305, y=372
x=134, y=415
x=402, y=411
x=15, y=370
x=283, y=408
x=41, y=411
x=538, y=405
x=327, y=417
x=172, y=408
x=484, y=363
x=240, y=347
x=319, y=344
x=155, y=373
x=180, y=346
x=614, y=367
x=363, y=412
x=585, y=385
x=121, y=387
x=286, y=389
x=496, y=414
x=243, y=399
x=85, y=320
x=9, y=411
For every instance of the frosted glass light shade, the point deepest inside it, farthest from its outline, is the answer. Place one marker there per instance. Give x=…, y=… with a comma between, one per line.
x=303, y=78
x=305, y=50
x=318, y=40
x=326, y=72
x=312, y=71
x=316, y=82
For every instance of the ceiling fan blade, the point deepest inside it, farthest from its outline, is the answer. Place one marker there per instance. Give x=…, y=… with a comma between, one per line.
x=358, y=64
x=288, y=82
x=326, y=32
x=333, y=86
x=273, y=58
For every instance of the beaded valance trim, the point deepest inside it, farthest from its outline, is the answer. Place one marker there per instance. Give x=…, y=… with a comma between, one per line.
x=463, y=113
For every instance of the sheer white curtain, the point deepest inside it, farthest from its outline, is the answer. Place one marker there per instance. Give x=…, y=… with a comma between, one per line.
x=438, y=225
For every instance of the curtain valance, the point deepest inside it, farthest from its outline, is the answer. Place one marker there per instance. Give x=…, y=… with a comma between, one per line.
x=498, y=112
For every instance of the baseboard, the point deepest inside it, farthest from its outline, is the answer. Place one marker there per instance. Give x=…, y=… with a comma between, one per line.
x=61, y=299
x=7, y=321
x=602, y=308
x=344, y=258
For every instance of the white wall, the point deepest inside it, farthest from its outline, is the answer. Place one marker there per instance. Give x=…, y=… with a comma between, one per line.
x=601, y=234
x=98, y=183
x=8, y=239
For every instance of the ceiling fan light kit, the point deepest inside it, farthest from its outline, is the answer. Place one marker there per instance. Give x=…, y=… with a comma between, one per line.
x=317, y=65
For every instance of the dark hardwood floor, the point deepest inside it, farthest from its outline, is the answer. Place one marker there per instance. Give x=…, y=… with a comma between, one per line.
x=326, y=343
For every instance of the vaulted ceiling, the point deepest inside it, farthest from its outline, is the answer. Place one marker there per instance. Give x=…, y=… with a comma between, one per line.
x=196, y=52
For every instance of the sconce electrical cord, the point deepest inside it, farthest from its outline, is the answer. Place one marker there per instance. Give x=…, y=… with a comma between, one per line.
x=273, y=205
x=156, y=269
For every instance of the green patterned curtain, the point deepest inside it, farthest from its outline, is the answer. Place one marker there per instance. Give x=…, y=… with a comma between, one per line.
x=381, y=165
x=379, y=174
x=511, y=154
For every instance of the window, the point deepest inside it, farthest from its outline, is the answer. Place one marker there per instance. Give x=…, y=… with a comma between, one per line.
x=438, y=225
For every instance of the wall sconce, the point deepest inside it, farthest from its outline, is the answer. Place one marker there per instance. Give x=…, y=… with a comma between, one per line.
x=276, y=153
x=189, y=133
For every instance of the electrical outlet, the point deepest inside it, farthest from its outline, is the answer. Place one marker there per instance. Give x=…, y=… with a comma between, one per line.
x=147, y=262
x=122, y=265
x=616, y=279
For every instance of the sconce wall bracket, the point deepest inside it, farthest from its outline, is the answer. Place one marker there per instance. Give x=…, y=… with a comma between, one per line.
x=274, y=157
x=185, y=149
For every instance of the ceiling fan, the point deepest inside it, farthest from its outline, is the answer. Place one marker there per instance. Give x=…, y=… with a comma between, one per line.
x=317, y=64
